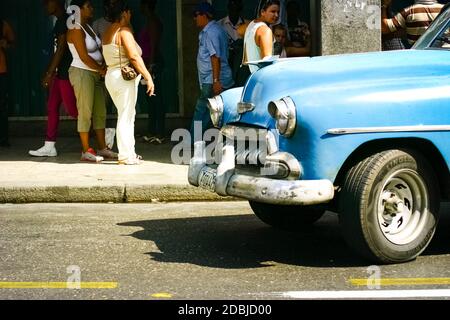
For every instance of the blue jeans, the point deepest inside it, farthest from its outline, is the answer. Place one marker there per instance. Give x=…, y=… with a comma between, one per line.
x=201, y=113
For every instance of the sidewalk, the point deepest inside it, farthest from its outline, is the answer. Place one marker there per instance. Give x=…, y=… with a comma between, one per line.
x=25, y=179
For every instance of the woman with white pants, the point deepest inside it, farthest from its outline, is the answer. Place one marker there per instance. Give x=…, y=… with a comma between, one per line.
x=120, y=49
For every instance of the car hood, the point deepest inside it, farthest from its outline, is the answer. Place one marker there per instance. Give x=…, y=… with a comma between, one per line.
x=315, y=81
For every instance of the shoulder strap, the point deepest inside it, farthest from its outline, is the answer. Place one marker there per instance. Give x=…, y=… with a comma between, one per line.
x=115, y=36
x=79, y=24
x=96, y=35
x=87, y=33
x=120, y=48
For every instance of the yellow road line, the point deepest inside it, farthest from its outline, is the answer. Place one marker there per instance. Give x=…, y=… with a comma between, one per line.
x=57, y=285
x=161, y=295
x=401, y=281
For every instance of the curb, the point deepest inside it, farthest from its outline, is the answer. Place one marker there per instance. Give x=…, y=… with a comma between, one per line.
x=115, y=194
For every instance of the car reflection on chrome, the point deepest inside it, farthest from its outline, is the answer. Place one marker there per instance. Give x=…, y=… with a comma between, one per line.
x=364, y=135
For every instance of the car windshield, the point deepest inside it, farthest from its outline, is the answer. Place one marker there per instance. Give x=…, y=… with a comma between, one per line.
x=438, y=34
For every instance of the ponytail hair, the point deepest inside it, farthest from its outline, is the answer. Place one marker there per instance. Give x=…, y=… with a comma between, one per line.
x=264, y=4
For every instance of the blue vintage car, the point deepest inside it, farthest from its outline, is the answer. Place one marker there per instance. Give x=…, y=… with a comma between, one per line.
x=364, y=135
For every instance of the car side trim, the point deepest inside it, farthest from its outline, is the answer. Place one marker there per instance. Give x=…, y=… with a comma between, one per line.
x=418, y=128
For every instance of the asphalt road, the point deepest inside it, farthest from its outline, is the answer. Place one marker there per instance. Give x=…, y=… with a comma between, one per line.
x=189, y=251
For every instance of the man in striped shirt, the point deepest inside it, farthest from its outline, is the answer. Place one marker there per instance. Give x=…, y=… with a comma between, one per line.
x=414, y=19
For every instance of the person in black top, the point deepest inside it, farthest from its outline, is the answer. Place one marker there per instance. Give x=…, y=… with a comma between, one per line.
x=56, y=79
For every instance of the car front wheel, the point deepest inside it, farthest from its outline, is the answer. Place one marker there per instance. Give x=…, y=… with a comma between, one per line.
x=389, y=206
x=290, y=218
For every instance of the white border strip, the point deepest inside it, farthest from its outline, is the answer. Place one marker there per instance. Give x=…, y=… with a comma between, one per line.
x=364, y=294
x=418, y=128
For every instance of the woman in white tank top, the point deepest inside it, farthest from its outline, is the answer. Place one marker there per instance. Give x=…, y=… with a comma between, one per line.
x=85, y=74
x=258, y=39
x=84, y=44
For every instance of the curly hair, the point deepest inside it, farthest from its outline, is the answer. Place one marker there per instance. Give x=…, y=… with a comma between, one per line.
x=115, y=10
x=79, y=3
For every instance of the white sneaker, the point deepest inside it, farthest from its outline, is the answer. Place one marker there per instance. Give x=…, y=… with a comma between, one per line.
x=48, y=150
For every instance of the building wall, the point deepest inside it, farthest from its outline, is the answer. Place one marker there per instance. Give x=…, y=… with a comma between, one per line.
x=29, y=58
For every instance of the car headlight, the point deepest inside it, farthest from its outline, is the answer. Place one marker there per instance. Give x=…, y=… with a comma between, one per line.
x=285, y=114
x=215, y=106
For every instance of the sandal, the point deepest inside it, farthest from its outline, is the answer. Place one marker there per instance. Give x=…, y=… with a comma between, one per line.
x=149, y=138
x=135, y=161
x=159, y=140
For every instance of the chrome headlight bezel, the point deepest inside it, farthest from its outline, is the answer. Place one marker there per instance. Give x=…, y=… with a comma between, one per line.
x=215, y=106
x=284, y=112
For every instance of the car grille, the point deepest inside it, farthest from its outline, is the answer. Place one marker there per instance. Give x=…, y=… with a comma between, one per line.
x=250, y=144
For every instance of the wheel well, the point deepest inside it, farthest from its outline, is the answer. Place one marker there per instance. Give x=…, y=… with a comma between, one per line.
x=425, y=147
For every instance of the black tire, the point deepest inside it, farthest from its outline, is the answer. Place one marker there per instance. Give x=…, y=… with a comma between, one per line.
x=289, y=218
x=371, y=225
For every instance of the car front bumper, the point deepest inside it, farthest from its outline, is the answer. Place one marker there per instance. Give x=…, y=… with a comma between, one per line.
x=226, y=182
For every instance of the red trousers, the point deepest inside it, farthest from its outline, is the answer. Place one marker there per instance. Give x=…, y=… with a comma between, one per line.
x=61, y=91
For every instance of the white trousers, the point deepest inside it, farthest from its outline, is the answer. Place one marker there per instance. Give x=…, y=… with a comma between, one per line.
x=124, y=95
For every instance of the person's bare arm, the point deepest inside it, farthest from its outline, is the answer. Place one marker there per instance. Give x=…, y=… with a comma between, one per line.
x=9, y=36
x=129, y=43
x=264, y=40
x=242, y=28
x=384, y=21
x=215, y=63
x=298, y=52
x=61, y=46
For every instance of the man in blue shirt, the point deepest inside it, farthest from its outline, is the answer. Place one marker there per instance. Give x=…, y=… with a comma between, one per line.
x=214, y=73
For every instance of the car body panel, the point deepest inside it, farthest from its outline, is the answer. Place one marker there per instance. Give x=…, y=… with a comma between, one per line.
x=381, y=89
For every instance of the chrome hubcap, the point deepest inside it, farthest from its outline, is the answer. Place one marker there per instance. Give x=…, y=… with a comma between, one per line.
x=403, y=207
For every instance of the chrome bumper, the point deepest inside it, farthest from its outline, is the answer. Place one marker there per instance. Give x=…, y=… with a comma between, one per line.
x=224, y=181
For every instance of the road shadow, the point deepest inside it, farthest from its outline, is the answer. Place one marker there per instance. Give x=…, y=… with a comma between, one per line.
x=441, y=241
x=242, y=241
x=69, y=151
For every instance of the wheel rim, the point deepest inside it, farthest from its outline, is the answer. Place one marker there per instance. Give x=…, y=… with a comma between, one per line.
x=403, y=207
